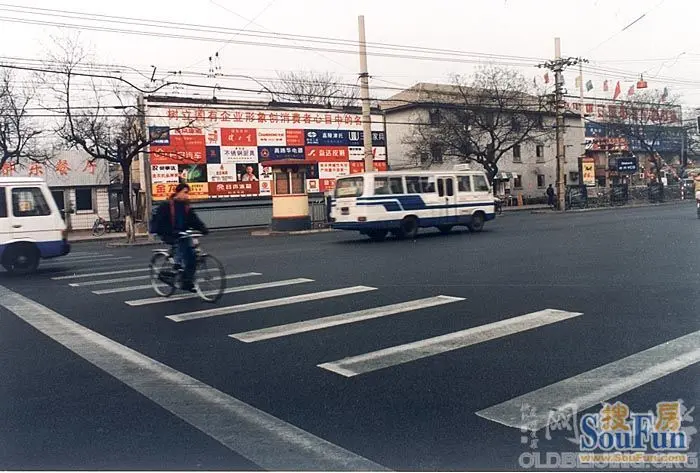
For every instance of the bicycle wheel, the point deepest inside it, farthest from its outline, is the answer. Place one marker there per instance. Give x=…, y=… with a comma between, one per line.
x=162, y=275
x=99, y=229
x=210, y=280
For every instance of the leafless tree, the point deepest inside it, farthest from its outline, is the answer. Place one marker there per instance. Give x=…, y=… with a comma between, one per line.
x=479, y=119
x=18, y=129
x=315, y=88
x=104, y=122
x=649, y=121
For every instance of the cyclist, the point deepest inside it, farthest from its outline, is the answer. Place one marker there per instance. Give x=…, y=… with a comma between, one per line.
x=173, y=217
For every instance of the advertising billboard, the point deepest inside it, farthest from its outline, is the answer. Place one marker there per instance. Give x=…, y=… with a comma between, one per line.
x=219, y=149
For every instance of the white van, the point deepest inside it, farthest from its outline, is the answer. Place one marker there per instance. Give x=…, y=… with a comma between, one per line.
x=401, y=202
x=31, y=226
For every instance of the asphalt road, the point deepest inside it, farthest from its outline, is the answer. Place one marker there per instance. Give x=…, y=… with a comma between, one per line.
x=161, y=394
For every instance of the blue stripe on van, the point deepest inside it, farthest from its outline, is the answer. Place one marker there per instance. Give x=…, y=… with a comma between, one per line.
x=47, y=249
x=395, y=224
x=413, y=202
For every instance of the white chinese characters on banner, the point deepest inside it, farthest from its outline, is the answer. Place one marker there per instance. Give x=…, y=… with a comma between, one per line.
x=239, y=154
x=164, y=174
x=221, y=172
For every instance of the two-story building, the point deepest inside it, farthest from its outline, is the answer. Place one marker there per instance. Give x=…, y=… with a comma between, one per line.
x=527, y=169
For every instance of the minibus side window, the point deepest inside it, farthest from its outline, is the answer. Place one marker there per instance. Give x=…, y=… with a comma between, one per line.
x=464, y=184
x=412, y=185
x=3, y=203
x=480, y=183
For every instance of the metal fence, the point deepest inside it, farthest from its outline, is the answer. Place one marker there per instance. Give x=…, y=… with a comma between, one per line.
x=623, y=195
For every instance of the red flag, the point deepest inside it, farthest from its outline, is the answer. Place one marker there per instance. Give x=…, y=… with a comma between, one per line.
x=617, y=91
x=631, y=91
x=605, y=86
x=546, y=77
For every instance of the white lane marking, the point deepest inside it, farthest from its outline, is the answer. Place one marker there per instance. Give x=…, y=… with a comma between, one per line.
x=588, y=389
x=101, y=273
x=233, y=309
x=228, y=290
x=126, y=279
x=115, y=290
x=83, y=257
x=392, y=356
x=108, y=281
x=97, y=262
x=265, y=440
x=340, y=319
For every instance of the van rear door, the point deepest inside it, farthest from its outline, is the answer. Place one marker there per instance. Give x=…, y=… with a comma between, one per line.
x=34, y=217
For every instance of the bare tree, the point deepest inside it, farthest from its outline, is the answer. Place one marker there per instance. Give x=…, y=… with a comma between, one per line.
x=18, y=130
x=479, y=120
x=105, y=122
x=315, y=88
x=649, y=122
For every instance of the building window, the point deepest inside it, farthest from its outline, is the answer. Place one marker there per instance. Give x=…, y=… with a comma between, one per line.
x=29, y=202
x=518, y=182
x=83, y=200
x=540, y=180
x=289, y=182
x=435, y=116
x=515, y=125
x=516, y=154
x=539, y=151
x=435, y=153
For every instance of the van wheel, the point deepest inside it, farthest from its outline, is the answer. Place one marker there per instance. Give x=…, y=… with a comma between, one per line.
x=477, y=223
x=445, y=229
x=409, y=227
x=377, y=235
x=21, y=259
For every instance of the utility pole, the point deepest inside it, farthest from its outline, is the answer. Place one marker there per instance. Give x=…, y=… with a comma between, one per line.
x=145, y=165
x=364, y=95
x=558, y=65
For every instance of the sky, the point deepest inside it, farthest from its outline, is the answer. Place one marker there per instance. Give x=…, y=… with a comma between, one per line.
x=662, y=44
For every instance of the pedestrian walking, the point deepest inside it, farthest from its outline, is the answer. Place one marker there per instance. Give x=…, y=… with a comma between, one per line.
x=550, y=196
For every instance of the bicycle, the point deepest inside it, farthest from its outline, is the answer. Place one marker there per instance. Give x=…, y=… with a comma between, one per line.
x=102, y=226
x=166, y=273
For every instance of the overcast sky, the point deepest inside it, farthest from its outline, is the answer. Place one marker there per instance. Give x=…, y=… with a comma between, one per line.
x=663, y=44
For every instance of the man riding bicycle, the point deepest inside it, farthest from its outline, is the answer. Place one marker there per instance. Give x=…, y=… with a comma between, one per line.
x=172, y=218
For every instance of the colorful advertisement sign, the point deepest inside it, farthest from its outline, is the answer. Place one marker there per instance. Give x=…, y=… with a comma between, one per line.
x=588, y=171
x=222, y=148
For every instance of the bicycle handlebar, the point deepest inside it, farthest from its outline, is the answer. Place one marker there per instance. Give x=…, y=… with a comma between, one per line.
x=190, y=234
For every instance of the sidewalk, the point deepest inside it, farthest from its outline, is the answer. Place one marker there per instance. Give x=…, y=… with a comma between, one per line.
x=523, y=208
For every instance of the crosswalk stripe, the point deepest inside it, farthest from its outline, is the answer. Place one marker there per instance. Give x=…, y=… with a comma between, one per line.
x=228, y=290
x=83, y=257
x=265, y=440
x=200, y=314
x=59, y=262
x=588, y=389
x=108, y=281
x=126, y=279
x=396, y=355
x=101, y=273
x=340, y=319
x=115, y=290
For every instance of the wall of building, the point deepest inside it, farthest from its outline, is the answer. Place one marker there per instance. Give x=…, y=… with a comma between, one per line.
x=84, y=219
x=400, y=126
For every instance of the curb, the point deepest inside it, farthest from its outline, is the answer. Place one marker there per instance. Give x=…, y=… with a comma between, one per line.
x=297, y=232
x=107, y=238
x=601, y=209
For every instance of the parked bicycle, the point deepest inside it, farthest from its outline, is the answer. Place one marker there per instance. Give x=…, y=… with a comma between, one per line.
x=102, y=226
x=166, y=272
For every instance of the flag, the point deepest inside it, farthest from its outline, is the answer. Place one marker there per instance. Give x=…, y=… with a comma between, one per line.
x=589, y=86
x=578, y=82
x=546, y=77
x=605, y=86
x=617, y=91
x=631, y=91
x=664, y=96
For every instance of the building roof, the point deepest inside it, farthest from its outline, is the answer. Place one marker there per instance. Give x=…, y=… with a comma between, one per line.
x=425, y=94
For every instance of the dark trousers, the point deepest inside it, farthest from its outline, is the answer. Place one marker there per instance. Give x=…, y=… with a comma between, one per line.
x=187, y=258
